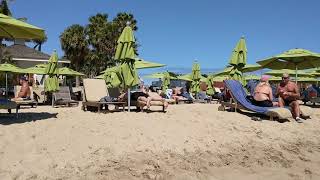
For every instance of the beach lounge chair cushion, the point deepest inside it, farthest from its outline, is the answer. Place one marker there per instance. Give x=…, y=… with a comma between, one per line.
x=95, y=89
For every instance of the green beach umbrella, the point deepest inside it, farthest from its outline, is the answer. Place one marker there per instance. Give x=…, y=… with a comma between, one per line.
x=295, y=59
x=219, y=78
x=142, y=64
x=247, y=68
x=69, y=72
x=165, y=81
x=238, y=60
x=6, y=67
x=51, y=84
x=209, y=82
x=288, y=71
x=307, y=79
x=275, y=78
x=195, y=76
x=16, y=29
x=251, y=76
x=37, y=69
x=125, y=54
x=155, y=76
x=188, y=77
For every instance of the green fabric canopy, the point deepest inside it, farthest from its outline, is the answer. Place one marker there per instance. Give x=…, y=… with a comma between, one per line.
x=142, y=64
x=247, y=68
x=288, y=71
x=188, y=77
x=238, y=60
x=111, y=77
x=219, y=78
x=51, y=84
x=37, y=69
x=69, y=72
x=16, y=29
x=195, y=76
x=251, y=76
x=296, y=59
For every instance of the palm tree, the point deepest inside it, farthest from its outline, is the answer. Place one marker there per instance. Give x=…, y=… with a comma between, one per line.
x=4, y=8
x=74, y=43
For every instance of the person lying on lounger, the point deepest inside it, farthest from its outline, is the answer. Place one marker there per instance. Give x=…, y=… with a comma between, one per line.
x=24, y=92
x=262, y=95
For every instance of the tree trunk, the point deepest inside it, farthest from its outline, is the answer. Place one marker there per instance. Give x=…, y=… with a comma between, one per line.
x=77, y=77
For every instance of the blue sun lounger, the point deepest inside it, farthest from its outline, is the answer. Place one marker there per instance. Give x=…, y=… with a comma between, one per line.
x=240, y=101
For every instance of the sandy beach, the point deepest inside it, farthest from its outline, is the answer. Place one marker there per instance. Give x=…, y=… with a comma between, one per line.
x=193, y=141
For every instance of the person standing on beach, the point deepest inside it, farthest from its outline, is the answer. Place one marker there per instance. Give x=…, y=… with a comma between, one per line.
x=289, y=95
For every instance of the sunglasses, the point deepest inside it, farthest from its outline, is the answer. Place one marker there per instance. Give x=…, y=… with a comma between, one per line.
x=285, y=77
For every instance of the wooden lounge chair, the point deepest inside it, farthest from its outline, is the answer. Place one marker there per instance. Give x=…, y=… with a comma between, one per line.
x=9, y=105
x=239, y=101
x=94, y=90
x=115, y=92
x=63, y=97
x=25, y=102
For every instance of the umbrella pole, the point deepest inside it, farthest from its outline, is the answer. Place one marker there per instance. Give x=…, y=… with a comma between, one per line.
x=6, y=85
x=129, y=99
x=296, y=74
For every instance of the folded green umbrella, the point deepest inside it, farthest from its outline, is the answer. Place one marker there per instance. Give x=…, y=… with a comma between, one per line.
x=166, y=81
x=16, y=29
x=195, y=76
x=125, y=54
x=51, y=84
x=238, y=60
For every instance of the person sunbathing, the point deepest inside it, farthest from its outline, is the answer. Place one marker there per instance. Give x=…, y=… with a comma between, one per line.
x=262, y=95
x=24, y=92
x=154, y=96
x=177, y=94
x=289, y=95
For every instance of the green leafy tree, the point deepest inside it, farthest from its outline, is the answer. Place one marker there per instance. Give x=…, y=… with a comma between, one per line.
x=4, y=8
x=75, y=45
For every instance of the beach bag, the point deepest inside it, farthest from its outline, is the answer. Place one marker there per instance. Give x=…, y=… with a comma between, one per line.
x=108, y=99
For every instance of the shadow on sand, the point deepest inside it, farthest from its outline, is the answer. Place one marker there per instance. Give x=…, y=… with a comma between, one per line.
x=260, y=117
x=7, y=119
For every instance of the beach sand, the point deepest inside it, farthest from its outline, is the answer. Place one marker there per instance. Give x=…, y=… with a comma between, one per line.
x=191, y=141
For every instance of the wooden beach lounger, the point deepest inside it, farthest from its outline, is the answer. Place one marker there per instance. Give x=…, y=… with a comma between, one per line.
x=63, y=97
x=9, y=105
x=239, y=101
x=94, y=90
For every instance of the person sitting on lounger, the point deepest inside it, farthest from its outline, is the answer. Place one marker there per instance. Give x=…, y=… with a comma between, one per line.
x=177, y=94
x=262, y=95
x=154, y=96
x=289, y=95
x=24, y=91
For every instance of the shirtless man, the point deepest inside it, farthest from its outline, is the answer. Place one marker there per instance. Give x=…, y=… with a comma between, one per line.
x=263, y=93
x=289, y=95
x=25, y=89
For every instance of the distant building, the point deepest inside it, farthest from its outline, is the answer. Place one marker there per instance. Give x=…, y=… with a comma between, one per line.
x=25, y=57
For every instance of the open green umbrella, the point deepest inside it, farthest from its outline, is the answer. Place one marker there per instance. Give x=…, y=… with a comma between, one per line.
x=142, y=64
x=126, y=55
x=238, y=60
x=37, y=69
x=247, y=68
x=16, y=29
x=307, y=79
x=69, y=72
x=51, y=84
x=219, y=78
x=288, y=71
x=251, y=76
x=6, y=67
x=295, y=59
x=155, y=76
x=165, y=81
x=195, y=76
x=188, y=77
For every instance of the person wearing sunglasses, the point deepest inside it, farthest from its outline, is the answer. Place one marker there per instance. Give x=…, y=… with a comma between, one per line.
x=288, y=93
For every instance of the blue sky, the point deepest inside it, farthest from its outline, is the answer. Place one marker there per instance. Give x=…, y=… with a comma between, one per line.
x=176, y=32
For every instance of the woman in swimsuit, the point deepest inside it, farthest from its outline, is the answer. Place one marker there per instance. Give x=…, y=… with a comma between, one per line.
x=263, y=94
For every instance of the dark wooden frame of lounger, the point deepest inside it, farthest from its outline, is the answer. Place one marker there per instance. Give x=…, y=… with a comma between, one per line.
x=10, y=109
x=63, y=96
x=99, y=105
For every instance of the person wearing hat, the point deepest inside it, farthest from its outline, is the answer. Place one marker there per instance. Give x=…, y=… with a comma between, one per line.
x=25, y=89
x=262, y=95
x=289, y=95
